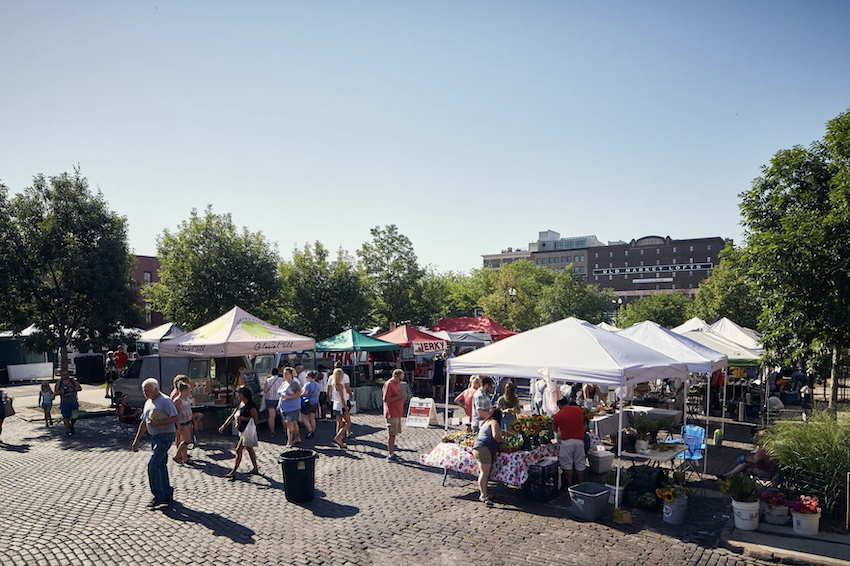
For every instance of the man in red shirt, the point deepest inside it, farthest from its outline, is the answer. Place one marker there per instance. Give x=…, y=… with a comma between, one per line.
x=568, y=425
x=120, y=357
x=393, y=411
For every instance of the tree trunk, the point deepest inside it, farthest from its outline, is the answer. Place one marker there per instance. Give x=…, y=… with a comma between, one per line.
x=833, y=377
x=63, y=352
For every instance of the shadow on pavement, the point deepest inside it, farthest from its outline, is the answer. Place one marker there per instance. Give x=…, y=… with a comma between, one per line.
x=21, y=448
x=220, y=526
x=325, y=508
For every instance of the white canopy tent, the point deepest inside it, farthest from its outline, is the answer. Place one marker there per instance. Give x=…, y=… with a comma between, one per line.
x=467, y=338
x=235, y=333
x=695, y=323
x=570, y=350
x=605, y=326
x=733, y=331
x=161, y=332
x=699, y=359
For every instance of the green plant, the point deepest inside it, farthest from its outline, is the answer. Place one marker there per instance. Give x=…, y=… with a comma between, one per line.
x=741, y=487
x=814, y=456
x=625, y=477
x=645, y=426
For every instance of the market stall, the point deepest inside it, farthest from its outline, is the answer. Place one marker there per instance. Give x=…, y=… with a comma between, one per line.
x=418, y=348
x=148, y=341
x=353, y=341
x=235, y=333
x=571, y=350
x=474, y=324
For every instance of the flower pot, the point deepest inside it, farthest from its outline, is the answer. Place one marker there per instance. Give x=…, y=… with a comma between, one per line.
x=675, y=511
x=612, y=493
x=778, y=515
x=746, y=514
x=641, y=446
x=806, y=524
x=526, y=443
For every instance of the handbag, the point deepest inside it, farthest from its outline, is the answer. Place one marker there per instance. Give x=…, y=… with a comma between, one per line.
x=249, y=437
x=8, y=408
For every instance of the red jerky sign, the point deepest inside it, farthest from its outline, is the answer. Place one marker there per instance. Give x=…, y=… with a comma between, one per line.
x=433, y=347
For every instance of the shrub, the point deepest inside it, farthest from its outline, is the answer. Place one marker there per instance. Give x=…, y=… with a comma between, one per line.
x=814, y=456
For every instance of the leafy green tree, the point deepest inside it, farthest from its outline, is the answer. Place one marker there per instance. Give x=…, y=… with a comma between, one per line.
x=797, y=222
x=516, y=291
x=320, y=297
x=726, y=292
x=570, y=296
x=208, y=266
x=66, y=265
x=667, y=309
x=395, y=276
x=454, y=294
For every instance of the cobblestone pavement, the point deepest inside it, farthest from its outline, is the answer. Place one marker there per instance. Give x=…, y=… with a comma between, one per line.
x=82, y=501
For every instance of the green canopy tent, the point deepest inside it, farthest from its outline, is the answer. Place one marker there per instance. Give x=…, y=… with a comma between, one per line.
x=352, y=341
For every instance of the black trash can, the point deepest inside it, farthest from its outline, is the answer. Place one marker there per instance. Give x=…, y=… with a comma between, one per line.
x=299, y=474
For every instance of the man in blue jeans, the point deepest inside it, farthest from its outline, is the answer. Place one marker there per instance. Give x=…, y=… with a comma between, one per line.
x=159, y=418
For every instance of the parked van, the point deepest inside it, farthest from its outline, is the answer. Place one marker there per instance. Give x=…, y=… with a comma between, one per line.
x=164, y=369
x=263, y=363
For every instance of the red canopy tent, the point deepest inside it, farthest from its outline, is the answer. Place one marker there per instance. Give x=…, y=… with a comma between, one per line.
x=474, y=323
x=421, y=342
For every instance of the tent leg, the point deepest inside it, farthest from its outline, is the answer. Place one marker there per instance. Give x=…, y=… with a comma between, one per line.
x=707, y=405
x=619, y=453
x=448, y=377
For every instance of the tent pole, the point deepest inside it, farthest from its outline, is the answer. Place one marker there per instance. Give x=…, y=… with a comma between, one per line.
x=619, y=450
x=707, y=405
x=447, y=401
x=723, y=411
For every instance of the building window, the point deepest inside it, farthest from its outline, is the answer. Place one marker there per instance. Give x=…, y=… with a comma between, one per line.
x=657, y=262
x=610, y=254
x=626, y=253
x=626, y=264
x=674, y=249
x=581, y=269
x=708, y=248
x=641, y=252
x=595, y=266
x=556, y=260
x=692, y=248
x=146, y=278
x=626, y=276
x=641, y=262
x=550, y=260
x=708, y=259
x=691, y=260
x=610, y=265
x=610, y=278
x=674, y=261
x=564, y=259
x=691, y=273
x=596, y=255
x=673, y=274
x=657, y=251
x=569, y=259
x=596, y=278
x=148, y=317
x=674, y=285
x=657, y=287
x=690, y=285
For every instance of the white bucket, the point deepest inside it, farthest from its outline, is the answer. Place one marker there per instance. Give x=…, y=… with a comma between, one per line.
x=612, y=493
x=746, y=514
x=806, y=523
x=641, y=446
x=776, y=516
x=675, y=511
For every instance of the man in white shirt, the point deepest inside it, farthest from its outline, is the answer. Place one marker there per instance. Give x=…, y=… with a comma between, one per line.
x=159, y=418
x=302, y=375
x=346, y=381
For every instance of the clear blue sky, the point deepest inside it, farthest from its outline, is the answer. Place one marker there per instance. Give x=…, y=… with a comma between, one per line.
x=470, y=125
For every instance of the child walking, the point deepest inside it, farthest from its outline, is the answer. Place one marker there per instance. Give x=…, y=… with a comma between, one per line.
x=46, y=402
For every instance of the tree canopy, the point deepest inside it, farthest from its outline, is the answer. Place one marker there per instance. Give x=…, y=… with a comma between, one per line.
x=726, y=292
x=797, y=222
x=66, y=265
x=667, y=309
x=570, y=296
x=208, y=266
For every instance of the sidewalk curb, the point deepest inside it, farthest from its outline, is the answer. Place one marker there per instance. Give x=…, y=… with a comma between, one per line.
x=772, y=554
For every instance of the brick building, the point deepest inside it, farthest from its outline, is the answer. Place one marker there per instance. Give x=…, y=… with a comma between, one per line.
x=145, y=273
x=652, y=264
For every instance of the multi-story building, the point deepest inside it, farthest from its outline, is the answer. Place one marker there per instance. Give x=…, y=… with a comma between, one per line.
x=145, y=273
x=652, y=264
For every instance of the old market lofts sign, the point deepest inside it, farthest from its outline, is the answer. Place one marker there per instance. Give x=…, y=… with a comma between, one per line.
x=654, y=269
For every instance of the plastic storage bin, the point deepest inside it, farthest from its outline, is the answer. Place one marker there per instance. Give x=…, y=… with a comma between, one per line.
x=542, y=482
x=589, y=501
x=600, y=461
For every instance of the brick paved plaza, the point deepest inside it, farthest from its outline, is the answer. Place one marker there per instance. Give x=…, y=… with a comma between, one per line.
x=82, y=500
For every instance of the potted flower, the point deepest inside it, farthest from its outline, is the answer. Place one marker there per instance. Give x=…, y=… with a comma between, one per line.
x=646, y=430
x=805, y=515
x=611, y=484
x=675, y=499
x=775, y=507
x=745, y=504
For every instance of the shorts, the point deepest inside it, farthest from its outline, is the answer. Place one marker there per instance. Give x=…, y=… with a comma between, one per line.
x=571, y=455
x=323, y=398
x=187, y=423
x=311, y=408
x=271, y=405
x=339, y=413
x=483, y=455
x=67, y=408
x=291, y=416
x=47, y=406
x=394, y=426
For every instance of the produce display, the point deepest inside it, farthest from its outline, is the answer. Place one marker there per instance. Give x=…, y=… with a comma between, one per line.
x=510, y=442
x=538, y=426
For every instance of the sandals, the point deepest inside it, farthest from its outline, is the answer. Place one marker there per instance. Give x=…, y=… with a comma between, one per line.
x=254, y=473
x=340, y=444
x=486, y=501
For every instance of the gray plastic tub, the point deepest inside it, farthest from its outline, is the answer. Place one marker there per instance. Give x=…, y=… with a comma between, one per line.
x=589, y=501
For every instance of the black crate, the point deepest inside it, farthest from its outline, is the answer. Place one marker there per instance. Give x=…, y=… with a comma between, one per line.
x=648, y=477
x=542, y=482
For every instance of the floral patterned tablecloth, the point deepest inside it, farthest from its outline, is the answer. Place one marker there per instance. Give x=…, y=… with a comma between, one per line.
x=510, y=469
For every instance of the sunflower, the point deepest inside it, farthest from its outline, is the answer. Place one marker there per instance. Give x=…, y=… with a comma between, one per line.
x=668, y=497
x=517, y=427
x=659, y=494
